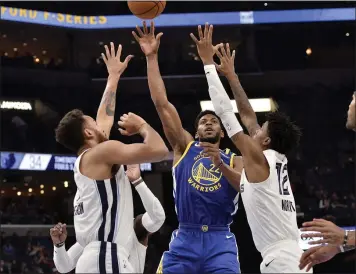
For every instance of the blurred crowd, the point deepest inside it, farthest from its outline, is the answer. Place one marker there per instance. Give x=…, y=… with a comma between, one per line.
x=26, y=254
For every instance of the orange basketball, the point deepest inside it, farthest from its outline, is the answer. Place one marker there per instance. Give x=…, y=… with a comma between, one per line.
x=146, y=9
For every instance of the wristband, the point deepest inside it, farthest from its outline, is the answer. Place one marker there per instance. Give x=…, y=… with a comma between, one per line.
x=346, y=237
x=59, y=245
x=137, y=182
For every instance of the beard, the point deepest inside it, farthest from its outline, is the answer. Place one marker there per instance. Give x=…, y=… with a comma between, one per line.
x=212, y=140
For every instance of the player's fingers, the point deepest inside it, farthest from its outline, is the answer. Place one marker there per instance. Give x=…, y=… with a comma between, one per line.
x=119, y=50
x=158, y=37
x=228, y=50
x=312, y=223
x=310, y=265
x=210, y=33
x=233, y=56
x=318, y=242
x=218, y=53
x=152, y=28
x=223, y=51
x=112, y=49
x=135, y=36
x=64, y=228
x=200, y=32
x=194, y=38
x=121, y=123
x=145, y=31
x=139, y=31
x=104, y=58
x=205, y=144
x=107, y=51
x=206, y=31
x=311, y=235
x=123, y=132
x=314, y=229
x=128, y=58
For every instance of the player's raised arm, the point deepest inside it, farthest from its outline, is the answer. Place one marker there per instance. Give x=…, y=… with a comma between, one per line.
x=154, y=217
x=65, y=261
x=153, y=148
x=172, y=125
x=227, y=68
x=106, y=111
x=252, y=154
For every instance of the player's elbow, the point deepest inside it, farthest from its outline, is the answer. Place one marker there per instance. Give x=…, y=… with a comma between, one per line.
x=62, y=268
x=158, y=152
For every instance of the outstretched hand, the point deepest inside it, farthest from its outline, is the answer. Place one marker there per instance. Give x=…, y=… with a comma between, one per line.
x=147, y=40
x=204, y=44
x=112, y=60
x=227, y=60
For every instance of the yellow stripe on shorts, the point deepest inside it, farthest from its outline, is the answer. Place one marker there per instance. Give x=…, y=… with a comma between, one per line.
x=160, y=266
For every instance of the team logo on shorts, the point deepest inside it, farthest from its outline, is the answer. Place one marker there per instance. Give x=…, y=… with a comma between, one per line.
x=205, y=176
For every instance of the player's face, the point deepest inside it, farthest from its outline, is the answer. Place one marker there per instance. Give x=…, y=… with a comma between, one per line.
x=209, y=129
x=351, y=114
x=92, y=130
x=261, y=136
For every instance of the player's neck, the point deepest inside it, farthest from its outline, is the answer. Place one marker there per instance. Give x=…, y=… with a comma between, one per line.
x=86, y=146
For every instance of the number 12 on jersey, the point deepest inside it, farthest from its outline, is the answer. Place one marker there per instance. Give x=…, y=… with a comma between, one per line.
x=283, y=180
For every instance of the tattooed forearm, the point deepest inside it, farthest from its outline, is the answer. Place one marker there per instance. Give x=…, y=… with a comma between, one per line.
x=247, y=114
x=109, y=101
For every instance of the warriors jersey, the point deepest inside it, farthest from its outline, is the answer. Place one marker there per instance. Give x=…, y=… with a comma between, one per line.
x=202, y=194
x=269, y=205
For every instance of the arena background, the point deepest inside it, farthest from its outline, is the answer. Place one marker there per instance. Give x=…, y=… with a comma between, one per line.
x=301, y=55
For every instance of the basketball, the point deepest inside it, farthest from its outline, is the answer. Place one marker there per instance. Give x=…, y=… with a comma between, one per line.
x=146, y=9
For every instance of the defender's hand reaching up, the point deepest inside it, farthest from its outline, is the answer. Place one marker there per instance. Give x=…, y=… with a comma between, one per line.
x=149, y=43
x=227, y=60
x=205, y=47
x=112, y=61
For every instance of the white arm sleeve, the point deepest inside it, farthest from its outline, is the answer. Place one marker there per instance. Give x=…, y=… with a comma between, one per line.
x=65, y=261
x=154, y=217
x=221, y=101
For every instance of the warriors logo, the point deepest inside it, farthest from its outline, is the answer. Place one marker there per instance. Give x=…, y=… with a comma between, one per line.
x=205, y=176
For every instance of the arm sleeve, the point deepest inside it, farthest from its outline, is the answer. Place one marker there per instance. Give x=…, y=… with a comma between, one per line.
x=65, y=261
x=154, y=217
x=221, y=101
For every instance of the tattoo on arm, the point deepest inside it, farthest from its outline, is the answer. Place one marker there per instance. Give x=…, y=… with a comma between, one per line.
x=246, y=111
x=110, y=102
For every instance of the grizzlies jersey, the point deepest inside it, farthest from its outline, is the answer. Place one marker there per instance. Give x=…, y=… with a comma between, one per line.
x=202, y=194
x=270, y=206
x=103, y=209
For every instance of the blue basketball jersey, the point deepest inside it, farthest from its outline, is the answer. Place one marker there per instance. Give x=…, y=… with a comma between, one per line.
x=202, y=194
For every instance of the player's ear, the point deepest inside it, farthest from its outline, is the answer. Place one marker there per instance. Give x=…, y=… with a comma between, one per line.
x=266, y=141
x=88, y=133
x=222, y=134
x=196, y=135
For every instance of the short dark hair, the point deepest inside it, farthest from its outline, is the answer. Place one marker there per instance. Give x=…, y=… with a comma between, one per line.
x=284, y=134
x=69, y=131
x=203, y=113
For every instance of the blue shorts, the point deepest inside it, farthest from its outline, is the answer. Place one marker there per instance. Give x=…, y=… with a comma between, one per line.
x=201, y=249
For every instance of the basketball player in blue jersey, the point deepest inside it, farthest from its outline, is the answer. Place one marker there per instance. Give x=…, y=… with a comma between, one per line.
x=103, y=206
x=204, y=199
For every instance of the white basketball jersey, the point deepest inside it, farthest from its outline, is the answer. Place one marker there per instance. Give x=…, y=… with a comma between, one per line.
x=103, y=209
x=137, y=256
x=269, y=205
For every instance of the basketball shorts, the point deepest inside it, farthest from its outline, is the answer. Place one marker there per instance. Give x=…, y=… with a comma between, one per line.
x=103, y=257
x=201, y=249
x=283, y=257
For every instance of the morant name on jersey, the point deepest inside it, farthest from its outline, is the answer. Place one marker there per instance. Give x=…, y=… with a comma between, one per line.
x=269, y=205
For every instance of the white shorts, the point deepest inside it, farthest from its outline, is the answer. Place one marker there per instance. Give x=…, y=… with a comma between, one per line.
x=283, y=258
x=103, y=257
